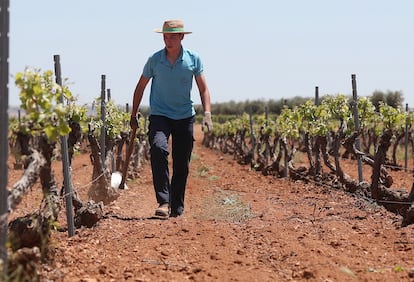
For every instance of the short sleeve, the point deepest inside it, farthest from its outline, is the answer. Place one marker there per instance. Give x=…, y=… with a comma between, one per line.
x=148, y=71
x=198, y=66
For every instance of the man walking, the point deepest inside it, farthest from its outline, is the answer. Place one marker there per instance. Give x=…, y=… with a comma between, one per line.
x=172, y=113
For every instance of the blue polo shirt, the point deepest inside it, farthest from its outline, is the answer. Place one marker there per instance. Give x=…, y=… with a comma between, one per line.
x=170, y=94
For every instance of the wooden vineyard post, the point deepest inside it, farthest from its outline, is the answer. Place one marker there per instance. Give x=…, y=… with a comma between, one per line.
x=356, y=119
x=103, y=119
x=406, y=141
x=108, y=98
x=67, y=182
x=108, y=94
x=4, y=126
x=317, y=95
x=267, y=151
x=252, y=136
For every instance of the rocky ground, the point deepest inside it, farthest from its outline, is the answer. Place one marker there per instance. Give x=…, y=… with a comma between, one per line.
x=238, y=226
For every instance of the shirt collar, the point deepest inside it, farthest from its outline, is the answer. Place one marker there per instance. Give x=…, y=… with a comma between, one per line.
x=180, y=57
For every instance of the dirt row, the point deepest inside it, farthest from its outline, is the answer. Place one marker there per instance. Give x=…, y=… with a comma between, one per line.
x=238, y=226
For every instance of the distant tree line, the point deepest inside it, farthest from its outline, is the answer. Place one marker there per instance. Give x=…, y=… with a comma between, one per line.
x=260, y=106
x=391, y=98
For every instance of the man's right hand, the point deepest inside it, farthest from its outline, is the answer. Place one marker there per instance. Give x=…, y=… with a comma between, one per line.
x=133, y=122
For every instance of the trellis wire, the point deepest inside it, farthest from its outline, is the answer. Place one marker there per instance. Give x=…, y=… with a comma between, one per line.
x=4, y=125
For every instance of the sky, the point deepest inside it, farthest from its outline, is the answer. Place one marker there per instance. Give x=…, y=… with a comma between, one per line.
x=251, y=50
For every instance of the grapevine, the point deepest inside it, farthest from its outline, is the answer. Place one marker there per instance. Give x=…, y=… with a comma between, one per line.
x=322, y=130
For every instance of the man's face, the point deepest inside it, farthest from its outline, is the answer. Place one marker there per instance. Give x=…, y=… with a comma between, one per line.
x=173, y=40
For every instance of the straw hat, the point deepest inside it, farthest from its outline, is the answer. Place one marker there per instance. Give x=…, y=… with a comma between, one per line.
x=172, y=26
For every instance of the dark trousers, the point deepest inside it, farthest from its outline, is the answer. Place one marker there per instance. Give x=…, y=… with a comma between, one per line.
x=182, y=133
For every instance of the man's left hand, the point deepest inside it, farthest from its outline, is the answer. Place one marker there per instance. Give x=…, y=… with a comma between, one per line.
x=207, y=122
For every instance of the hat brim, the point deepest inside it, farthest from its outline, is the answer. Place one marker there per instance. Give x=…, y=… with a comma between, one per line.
x=158, y=30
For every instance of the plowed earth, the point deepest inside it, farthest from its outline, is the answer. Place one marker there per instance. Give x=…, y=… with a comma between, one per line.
x=238, y=226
